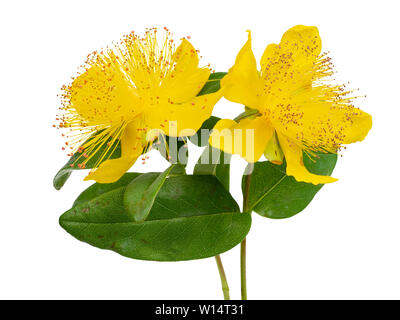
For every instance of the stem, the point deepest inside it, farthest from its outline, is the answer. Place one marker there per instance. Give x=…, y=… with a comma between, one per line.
x=243, y=280
x=224, y=282
x=243, y=269
x=247, y=179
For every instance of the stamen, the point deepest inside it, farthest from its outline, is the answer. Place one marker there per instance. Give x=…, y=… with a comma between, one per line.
x=296, y=86
x=111, y=89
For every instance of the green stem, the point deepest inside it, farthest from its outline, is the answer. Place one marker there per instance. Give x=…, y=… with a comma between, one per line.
x=243, y=269
x=243, y=280
x=224, y=282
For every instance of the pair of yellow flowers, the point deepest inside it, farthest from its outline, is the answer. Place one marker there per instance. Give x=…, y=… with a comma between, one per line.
x=144, y=86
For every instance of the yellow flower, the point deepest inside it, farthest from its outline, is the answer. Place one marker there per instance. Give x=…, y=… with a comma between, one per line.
x=297, y=109
x=130, y=94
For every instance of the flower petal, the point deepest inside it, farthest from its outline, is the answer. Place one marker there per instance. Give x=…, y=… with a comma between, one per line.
x=301, y=44
x=315, y=115
x=182, y=119
x=185, y=57
x=323, y=126
x=104, y=95
x=295, y=166
x=304, y=41
x=289, y=66
x=187, y=79
x=248, y=138
x=361, y=123
x=131, y=148
x=111, y=170
x=242, y=83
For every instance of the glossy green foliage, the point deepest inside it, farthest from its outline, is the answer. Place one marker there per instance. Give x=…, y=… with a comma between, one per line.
x=275, y=195
x=214, y=162
x=192, y=217
x=213, y=83
x=202, y=135
x=141, y=193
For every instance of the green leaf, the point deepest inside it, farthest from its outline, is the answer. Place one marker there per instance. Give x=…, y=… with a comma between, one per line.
x=275, y=195
x=141, y=193
x=201, y=137
x=64, y=173
x=178, y=170
x=213, y=83
x=193, y=217
x=97, y=189
x=214, y=162
x=174, y=149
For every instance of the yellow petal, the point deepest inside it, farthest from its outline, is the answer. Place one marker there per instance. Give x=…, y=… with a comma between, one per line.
x=325, y=126
x=361, y=123
x=247, y=138
x=295, y=166
x=270, y=55
x=104, y=96
x=186, y=55
x=242, y=83
x=289, y=66
x=299, y=44
x=132, y=140
x=187, y=79
x=182, y=119
x=111, y=170
x=303, y=41
x=131, y=148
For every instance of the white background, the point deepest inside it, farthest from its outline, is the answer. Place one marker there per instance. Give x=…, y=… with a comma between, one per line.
x=345, y=244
